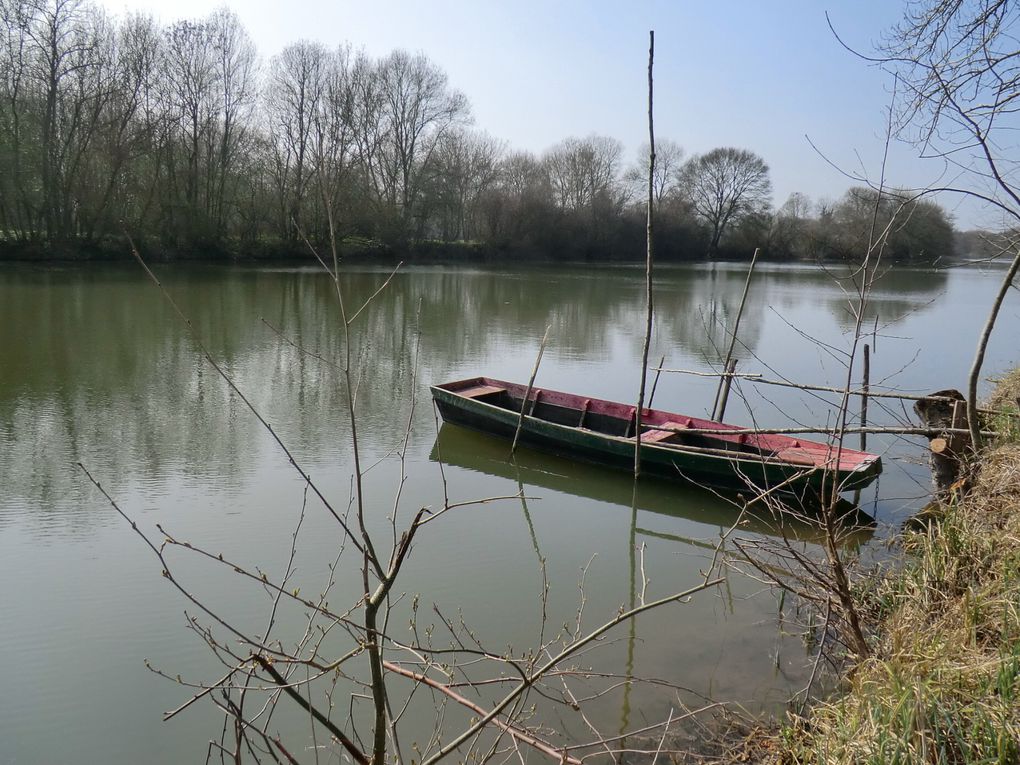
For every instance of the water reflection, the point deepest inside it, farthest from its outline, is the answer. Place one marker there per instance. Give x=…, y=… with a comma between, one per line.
x=477, y=452
x=86, y=348
x=95, y=367
x=95, y=363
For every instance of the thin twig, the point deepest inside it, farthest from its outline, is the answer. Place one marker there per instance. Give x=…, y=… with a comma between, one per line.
x=513, y=730
x=280, y=680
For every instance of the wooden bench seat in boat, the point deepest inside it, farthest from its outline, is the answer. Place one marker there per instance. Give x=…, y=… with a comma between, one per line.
x=480, y=390
x=652, y=436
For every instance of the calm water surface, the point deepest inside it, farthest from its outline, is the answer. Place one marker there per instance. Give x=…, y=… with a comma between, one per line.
x=95, y=368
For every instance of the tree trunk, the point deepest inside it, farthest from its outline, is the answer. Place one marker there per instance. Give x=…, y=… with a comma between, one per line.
x=947, y=451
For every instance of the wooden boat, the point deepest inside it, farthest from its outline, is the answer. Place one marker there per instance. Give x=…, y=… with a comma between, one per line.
x=672, y=445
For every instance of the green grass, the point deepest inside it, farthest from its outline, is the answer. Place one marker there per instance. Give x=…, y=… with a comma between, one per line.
x=943, y=683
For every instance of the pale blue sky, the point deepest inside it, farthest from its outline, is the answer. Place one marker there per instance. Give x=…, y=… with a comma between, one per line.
x=756, y=75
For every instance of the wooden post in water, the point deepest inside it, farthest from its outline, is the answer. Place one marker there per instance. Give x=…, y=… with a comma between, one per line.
x=648, y=262
x=865, y=384
x=727, y=381
x=716, y=415
x=527, y=393
x=655, y=380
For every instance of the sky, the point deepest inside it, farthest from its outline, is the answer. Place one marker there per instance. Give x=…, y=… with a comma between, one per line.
x=770, y=77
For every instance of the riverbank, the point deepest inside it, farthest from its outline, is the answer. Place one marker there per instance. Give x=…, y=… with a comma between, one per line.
x=352, y=249
x=117, y=248
x=943, y=683
x=362, y=250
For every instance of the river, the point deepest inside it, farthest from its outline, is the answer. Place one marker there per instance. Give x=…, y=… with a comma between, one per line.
x=95, y=367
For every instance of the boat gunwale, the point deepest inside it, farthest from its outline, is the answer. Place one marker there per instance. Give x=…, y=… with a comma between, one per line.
x=862, y=466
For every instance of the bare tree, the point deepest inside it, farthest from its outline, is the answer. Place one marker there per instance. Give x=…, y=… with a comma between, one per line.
x=725, y=185
x=465, y=166
x=416, y=108
x=209, y=91
x=235, y=67
x=70, y=66
x=18, y=202
x=920, y=229
x=521, y=173
x=129, y=123
x=957, y=66
x=522, y=194
x=336, y=147
x=669, y=161
x=585, y=170
x=293, y=98
x=791, y=224
x=190, y=95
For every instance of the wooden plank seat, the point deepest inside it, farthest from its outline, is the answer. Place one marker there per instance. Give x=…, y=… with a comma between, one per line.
x=819, y=458
x=480, y=390
x=652, y=436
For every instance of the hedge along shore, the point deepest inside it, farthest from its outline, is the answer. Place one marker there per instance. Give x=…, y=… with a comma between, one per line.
x=943, y=684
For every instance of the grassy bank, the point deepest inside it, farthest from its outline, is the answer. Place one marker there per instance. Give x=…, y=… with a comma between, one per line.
x=943, y=684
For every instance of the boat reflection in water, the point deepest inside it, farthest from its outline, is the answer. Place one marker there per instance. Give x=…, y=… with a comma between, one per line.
x=474, y=451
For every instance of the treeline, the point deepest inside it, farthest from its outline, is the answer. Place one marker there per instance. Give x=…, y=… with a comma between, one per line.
x=181, y=136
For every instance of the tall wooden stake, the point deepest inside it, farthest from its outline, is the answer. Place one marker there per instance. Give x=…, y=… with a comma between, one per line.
x=655, y=380
x=727, y=381
x=733, y=335
x=648, y=262
x=527, y=393
x=864, y=395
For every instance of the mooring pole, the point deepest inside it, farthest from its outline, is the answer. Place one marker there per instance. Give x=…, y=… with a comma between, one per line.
x=527, y=393
x=724, y=396
x=864, y=395
x=648, y=263
x=733, y=335
x=655, y=380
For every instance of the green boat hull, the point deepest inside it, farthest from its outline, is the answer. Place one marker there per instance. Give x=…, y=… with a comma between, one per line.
x=733, y=471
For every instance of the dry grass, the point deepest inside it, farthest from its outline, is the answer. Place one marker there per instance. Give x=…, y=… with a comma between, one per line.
x=1007, y=391
x=1006, y=399
x=943, y=685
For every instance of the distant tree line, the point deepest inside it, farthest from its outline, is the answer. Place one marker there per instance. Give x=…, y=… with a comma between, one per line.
x=181, y=136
